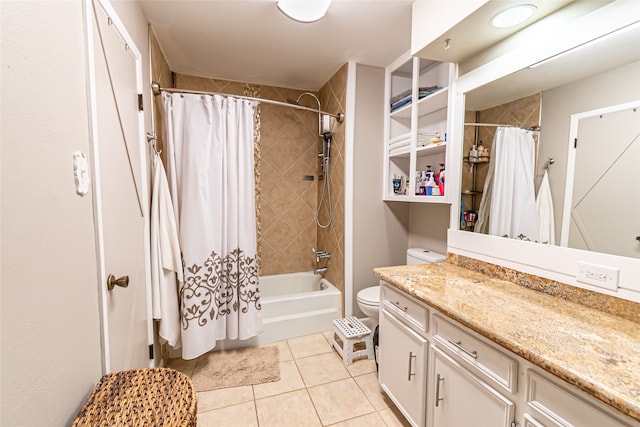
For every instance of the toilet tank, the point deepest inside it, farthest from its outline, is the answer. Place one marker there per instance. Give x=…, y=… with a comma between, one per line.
x=423, y=256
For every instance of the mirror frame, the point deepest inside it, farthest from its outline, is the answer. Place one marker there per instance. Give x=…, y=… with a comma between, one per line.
x=551, y=262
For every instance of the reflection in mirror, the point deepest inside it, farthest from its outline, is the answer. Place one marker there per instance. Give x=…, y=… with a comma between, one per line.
x=478, y=147
x=596, y=76
x=601, y=167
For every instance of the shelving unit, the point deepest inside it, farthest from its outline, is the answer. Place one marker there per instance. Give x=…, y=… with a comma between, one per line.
x=410, y=128
x=474, y=191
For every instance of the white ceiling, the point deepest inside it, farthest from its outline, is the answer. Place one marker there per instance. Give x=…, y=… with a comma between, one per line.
x=252, y=41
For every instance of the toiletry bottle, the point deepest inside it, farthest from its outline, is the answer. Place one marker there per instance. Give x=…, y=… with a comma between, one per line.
x=484, y=157
x=431, y=184
x=473, y=154
x=440, y=180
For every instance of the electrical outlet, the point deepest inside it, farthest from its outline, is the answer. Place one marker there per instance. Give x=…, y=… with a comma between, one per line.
x=598, y=275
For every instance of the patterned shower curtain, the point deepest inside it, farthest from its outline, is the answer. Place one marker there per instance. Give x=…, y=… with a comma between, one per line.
x=210, y=172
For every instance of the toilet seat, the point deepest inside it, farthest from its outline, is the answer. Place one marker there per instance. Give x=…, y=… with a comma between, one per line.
x=370, y=296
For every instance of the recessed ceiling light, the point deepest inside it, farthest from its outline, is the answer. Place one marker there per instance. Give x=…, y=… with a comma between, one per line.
x=304, y=10
x=513, y=16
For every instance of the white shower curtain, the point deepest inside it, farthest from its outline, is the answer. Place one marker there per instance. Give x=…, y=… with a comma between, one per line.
x=211, y=178
x=508, y=206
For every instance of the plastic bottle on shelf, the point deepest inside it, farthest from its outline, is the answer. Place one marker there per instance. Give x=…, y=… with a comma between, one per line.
x=473, y=154
x=440, y=179
x=432, y=188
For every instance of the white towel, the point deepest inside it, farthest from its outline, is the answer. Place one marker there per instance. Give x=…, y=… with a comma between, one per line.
x=544, y=206
x=166, y=263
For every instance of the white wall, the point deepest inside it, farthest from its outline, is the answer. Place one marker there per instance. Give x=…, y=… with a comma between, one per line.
x=428, y=224
x=50, y=322
x=379, y=228
x=50, y=327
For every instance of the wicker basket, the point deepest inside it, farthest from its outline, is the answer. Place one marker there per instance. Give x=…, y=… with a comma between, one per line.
x=141, y=397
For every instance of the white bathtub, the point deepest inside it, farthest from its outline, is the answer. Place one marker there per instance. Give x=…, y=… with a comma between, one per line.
x=293, y=305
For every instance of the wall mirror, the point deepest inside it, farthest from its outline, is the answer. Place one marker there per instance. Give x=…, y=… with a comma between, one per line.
x=550, y=68
x=587, y=84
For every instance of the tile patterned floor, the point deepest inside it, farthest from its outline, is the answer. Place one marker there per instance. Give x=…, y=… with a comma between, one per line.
x=315, y=389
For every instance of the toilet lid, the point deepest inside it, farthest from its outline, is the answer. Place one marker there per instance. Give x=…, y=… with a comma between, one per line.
x=370, y=295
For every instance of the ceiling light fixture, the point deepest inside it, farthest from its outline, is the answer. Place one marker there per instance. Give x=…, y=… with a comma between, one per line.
x=513, y=16
x=304, y=10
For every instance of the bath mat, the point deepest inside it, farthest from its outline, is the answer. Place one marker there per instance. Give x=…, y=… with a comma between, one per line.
x=232, y=368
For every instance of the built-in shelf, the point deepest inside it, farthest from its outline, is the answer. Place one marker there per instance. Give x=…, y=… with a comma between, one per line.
x=432, y=149
x=434, y=102
x=406, y=154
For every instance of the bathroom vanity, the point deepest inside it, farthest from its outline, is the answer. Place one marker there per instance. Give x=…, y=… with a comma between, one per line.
x=459, y=347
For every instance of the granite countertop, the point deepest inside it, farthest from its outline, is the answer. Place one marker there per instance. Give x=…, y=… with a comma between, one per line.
x=593, y=350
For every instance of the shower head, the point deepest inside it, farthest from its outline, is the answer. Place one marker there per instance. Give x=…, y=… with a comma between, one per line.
x=320, y=116
x=297, y=101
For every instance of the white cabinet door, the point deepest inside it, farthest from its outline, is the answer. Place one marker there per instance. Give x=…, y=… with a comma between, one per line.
x=403, y=362
x=462, y=399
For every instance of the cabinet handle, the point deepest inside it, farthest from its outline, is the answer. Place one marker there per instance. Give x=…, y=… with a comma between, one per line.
x=458, y=344
x=438, y=398
x=397, y=304
x=409, y=374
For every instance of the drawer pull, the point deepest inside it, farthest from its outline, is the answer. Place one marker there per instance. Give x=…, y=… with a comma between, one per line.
x=458, y=344
x=438, y=398
x=409, y=374
x=397, y=304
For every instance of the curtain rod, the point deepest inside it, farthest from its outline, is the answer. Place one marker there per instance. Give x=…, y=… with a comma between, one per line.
x=156, y=89
x=535, y=128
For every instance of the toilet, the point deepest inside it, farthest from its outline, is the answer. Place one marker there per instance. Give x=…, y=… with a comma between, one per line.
x=369, y=298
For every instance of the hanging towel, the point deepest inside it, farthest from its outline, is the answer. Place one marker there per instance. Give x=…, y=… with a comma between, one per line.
x=544, y=206
x=166, y=264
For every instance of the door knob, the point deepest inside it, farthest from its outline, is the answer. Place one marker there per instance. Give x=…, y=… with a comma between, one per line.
x=123, y=281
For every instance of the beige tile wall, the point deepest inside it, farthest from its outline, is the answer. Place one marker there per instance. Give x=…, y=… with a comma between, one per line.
x=524, y=112
x=288, y=147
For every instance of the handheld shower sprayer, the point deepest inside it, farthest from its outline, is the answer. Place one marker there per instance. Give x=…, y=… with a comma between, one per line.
x=326, y=149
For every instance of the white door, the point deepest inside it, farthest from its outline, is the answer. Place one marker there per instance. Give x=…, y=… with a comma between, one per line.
x=605, y=205
x=121, y=207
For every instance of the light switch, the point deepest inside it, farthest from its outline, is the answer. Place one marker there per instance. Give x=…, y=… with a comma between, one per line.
x=81, y=173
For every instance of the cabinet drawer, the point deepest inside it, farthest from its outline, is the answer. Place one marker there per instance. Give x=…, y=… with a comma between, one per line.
x=565, y=408
x=477, y=355
x=405, y=308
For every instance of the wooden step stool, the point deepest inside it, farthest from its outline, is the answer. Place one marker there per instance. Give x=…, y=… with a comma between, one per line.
x=351, y=331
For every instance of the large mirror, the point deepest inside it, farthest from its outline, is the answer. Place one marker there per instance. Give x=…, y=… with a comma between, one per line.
x=586, y=198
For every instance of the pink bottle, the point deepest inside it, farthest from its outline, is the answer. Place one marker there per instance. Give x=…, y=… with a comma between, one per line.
x=440, y=179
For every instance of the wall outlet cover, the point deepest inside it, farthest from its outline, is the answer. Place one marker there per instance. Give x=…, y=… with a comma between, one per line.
x=598, y=275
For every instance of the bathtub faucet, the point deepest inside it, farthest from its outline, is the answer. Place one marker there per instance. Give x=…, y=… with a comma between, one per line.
x=322, y=270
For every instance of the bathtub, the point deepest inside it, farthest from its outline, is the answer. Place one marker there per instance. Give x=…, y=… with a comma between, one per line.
x=293, y=305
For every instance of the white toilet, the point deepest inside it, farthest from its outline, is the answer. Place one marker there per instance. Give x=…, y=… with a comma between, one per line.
x=369, y=298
